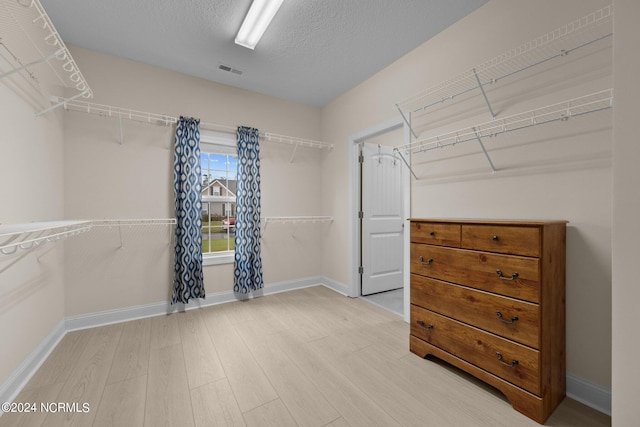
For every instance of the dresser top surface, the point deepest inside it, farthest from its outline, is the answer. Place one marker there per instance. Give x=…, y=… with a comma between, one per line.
x=481, y=221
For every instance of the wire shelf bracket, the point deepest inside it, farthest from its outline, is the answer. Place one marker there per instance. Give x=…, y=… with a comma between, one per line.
x=562, y=111
x=132, y=222
x=404, y=160
x=484, y=150
x=407, y=121
x=166, y=120
x=484, y=94
x=30, y=236
x=294, y=220
x=119, y=223
x=39, y=38
x=296, y=142
x=31, y=64
x=558, y=43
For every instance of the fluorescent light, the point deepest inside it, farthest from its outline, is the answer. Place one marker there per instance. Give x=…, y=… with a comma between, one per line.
x=256, y=22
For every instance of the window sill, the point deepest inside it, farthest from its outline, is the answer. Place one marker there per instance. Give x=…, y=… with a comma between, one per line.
x=216, y=259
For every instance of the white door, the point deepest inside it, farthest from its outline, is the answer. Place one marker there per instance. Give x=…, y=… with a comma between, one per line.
x=382, y=220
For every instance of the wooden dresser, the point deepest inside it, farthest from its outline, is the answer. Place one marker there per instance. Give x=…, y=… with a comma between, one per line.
x=489, y=298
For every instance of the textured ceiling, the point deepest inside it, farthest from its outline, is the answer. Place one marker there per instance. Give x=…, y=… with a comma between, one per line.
x=313, y=51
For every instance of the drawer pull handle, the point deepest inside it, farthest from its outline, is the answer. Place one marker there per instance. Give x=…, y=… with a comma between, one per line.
x=427, y=262
x=432, y=233
x=509, y=322
x=513, y=363
x=421, y=324
x=495, y=238
x=513, y=275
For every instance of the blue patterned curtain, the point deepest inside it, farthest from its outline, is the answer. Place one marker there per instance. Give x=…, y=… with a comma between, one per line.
x=188, y=282
x=248, y=265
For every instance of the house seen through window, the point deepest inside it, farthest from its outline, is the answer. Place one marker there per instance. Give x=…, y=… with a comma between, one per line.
x=219, y=170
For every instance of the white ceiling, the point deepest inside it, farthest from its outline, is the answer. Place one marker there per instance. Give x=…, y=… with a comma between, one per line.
x=313, y=51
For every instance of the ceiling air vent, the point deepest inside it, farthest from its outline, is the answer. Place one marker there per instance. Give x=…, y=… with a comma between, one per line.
x=230, y=69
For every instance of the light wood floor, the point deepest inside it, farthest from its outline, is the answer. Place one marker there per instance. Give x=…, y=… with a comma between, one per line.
x=310, y=357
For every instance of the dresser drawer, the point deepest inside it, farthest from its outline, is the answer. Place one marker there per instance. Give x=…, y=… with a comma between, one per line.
x=513, y=319
x=513, y=240
x=436, y=233
x=515, y=363
x=513, y=276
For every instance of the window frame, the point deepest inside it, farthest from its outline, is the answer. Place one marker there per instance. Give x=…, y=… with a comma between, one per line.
x=213, y=142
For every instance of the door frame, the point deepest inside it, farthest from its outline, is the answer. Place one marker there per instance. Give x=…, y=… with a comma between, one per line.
x=354, y=204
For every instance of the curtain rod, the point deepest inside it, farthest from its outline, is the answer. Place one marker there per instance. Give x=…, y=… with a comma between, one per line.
x=166, y=120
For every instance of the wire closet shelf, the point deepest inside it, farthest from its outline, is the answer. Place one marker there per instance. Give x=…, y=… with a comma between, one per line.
x=133, y=222
x=32, y=235
x=562, y=111
x=167, y=120
x=558, y=43
x=294, y=220
x=30, y=38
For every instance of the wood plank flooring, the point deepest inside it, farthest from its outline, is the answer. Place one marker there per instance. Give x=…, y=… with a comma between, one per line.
x=309, y=357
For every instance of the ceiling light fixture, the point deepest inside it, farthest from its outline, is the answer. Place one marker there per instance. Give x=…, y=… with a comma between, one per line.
x=256, y=22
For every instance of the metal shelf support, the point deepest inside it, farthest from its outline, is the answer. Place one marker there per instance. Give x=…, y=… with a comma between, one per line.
x=121, y=131
x=38, y=61
x=562, y=111
x=64, y=101
x=408, y=122
x=406, y=163
x=30, y=236
x=577, y=34
x=72, y=104
x=484, y=94
x=493, y=168
x=31, y=39
x=293, y=219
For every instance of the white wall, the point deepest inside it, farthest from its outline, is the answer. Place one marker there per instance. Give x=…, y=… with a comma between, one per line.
x=31, y=282
x=561, y=171
x=626, y=206
x=104, y=179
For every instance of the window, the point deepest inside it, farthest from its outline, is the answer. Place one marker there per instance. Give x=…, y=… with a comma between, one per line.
x=219, y=171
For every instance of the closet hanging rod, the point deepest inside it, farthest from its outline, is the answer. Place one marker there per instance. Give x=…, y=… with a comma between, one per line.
x=166, y=120
x=132, y=222
x=283, y=139
x=561, y=111
x=560, y=42
x=298, y=219
x=293, y=219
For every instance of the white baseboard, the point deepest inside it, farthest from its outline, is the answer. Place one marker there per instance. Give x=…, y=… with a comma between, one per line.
x=582, y=390
x=341, y=288
x=591, y=394
x=10, y=388
x=103, y=318
x=22, y=374
x=92, y=320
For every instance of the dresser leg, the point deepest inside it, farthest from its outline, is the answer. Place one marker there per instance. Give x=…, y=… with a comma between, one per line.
x=522, y=401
